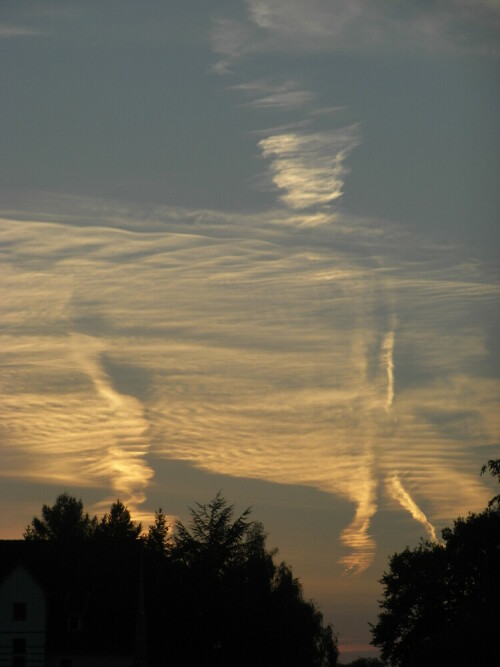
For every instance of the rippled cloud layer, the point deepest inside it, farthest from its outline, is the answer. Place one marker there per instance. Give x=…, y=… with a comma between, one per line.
x=345, y=356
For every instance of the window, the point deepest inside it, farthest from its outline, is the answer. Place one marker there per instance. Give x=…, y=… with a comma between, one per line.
x=19, y=611
x=74, y=623
x=19, y=645
x=19, y=651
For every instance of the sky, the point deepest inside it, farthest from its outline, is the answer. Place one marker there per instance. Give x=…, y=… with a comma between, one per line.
x=251, y=246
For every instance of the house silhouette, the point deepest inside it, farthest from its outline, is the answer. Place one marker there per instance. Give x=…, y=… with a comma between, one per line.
x=78, y=604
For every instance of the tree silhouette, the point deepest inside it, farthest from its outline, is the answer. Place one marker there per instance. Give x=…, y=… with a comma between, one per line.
x=493, y=465
x=304, y=640
x=157, y=539
x=214, y=540
x=234, y=605
x=214, y=585
x=118, y=524
x=364, y=662
x=441, y=602
x=63, y=521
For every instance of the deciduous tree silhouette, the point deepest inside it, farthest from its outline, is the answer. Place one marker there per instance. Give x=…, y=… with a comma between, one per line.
x=493, y=465
x=441, y=602
x=63, y=521
x=299, y=624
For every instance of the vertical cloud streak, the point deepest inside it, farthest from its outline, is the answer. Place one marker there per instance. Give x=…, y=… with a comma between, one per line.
x=122, y=457
x=356, y=536
x=388, y=361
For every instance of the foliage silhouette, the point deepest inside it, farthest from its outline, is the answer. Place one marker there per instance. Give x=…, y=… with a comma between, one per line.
x=307, y=642
x=493, y=465
x=214, y=541
x=213, y=585
x=118, y=524
x=229, y=604
x=157, y=539
x=441, y=602
x=63, y=521
x=364, y=662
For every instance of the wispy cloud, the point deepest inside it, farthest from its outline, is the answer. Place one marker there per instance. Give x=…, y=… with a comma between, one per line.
x=8, y=31
x=78, y=426
x=281, y=97
x=250, y=346
x=354, y=25
x=287, y=127
x=230, y=39
x=310, y=168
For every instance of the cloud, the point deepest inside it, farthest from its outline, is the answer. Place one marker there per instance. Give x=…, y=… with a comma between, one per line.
x=8, y=31
x=399, y=493
x=356, y=536
x=387, y=360
x=353, y=25
x=65, y=416
x=287, y=127
x=254, y=346
x=230, y=39
x=229, y=36
x=309, y=167
x=280, y=97
x=317, y=18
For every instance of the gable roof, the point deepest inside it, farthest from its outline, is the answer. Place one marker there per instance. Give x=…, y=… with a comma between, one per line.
x=19, y=570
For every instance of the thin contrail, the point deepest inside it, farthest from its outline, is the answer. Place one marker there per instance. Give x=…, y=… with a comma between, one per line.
x=388, y=362
x=399, y=493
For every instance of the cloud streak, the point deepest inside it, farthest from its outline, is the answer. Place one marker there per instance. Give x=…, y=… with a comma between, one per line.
x=399, y=493
x=9, y=31
x=388, y=361
x=280, y=97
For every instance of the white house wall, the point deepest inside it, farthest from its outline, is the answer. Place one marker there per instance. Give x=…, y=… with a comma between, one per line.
x=19, y=586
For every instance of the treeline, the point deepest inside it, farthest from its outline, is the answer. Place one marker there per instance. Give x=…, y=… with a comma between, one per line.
x=215, y=595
